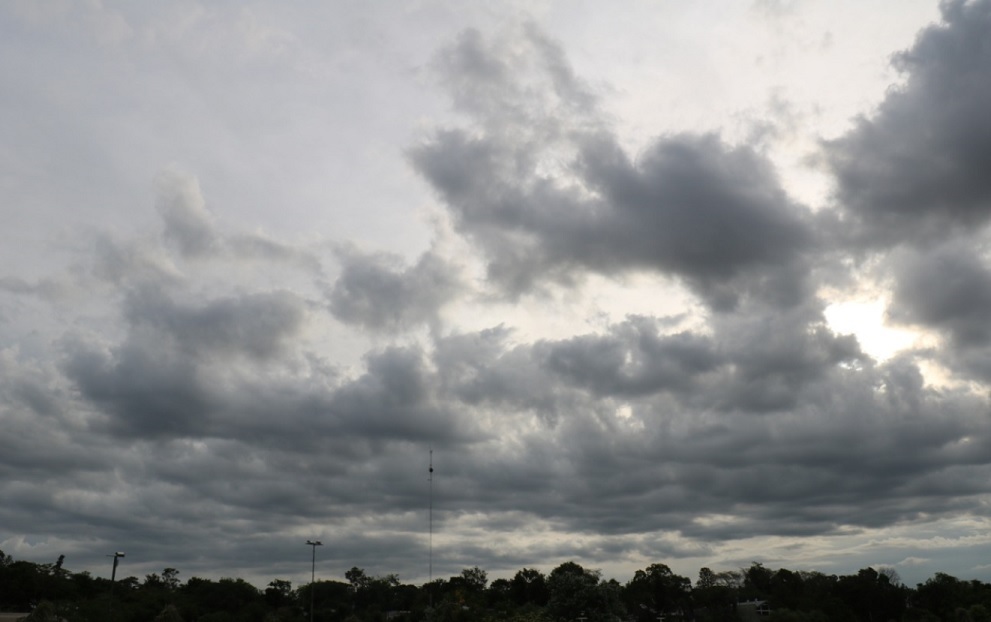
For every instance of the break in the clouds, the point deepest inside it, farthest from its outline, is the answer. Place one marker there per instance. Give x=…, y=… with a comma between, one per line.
x=911, y=177
x=446, y=238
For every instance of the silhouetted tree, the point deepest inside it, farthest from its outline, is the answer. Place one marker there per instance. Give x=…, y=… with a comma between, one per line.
x=529, y=587
x=657, y=590
x=756, y=581
x=714, y=596
x=787, y=590
x=942, y=595
x=574, y=591
x=279, y=594
x=870, y=596
x=475, y=578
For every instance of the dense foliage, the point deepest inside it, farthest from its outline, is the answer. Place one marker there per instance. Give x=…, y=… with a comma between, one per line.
x=569, y=592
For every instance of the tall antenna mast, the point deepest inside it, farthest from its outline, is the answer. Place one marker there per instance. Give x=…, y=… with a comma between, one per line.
x=430, y=478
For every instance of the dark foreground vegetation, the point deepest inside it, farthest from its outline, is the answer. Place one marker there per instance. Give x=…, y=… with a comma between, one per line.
x=569, y=592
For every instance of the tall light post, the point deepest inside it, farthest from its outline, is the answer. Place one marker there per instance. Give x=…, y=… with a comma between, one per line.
x=113, y=578
x=313, y=572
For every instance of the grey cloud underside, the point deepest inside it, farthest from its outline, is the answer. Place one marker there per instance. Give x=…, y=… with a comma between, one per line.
x=704, y=463
x=204, y=406
x=254, y=325
x=809, y=470
x=692, y=443
x=152, y=387
x=379, y=293
x=948, y=288
x=918, y=166
x=690, y=205
x=913, y=187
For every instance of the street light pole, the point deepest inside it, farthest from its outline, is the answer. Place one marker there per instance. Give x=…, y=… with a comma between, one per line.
x=313, y=572
x=113, y=578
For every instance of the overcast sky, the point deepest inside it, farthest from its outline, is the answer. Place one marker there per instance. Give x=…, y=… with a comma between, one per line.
x=696, y=283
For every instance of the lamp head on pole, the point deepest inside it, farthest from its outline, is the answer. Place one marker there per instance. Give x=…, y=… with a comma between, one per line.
x=314, y=543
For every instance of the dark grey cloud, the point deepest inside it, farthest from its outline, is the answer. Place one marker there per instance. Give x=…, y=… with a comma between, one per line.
x=396, y=399
x=689, y=206
x=760, y=362
x=697, y=208
x=378, y=292
x=146, y=391
x=776, y=358
x=849, y=451
x=167, y=379
x=916, y=169
x=947, y=289
x=153, y=383
x=820, y=452
x=202, y=404
x=38, y=411
x=912, y=186
x=256, y=325
x=634, y=360
x=525, y=434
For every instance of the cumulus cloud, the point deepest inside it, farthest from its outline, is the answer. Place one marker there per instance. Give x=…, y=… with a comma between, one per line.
x=188, y=224
x=911, y=186
x=828, y=461
x=945, y=290
x=948, y=289
x=145, y=391
x=634, y=359
x=377, y=292
x=915, y=169
x=312, y=403
x=256, y=325
x=690, y=205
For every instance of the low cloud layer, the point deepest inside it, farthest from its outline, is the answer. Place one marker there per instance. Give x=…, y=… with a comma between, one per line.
x=207, y=395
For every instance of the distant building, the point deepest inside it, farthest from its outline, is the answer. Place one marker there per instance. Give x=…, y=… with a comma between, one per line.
x=753, y=610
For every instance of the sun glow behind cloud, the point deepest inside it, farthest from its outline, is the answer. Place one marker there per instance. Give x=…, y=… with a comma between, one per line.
x=865, y=320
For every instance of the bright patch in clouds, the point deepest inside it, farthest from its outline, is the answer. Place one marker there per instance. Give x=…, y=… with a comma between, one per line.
x=865, y=319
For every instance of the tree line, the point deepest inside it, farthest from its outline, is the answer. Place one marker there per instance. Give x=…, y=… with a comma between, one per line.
x=567, y=593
